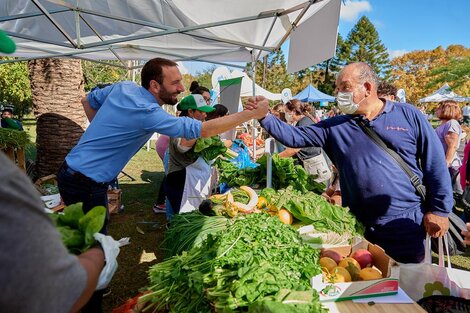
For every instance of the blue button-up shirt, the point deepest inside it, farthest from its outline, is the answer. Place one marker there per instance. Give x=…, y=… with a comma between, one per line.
x=127, y=116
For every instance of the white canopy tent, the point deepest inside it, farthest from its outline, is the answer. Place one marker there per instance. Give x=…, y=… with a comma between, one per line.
x=223, y=72
x=204, y=30
x=444, y=93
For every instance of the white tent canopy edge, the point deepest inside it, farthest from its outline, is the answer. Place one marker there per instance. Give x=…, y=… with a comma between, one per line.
x=228, y=31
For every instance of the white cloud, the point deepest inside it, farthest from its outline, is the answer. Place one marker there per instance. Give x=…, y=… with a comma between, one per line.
x=182, y=68
x=396, y=53
x=351, y=10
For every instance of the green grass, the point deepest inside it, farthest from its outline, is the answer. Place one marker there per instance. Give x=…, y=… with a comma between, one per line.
x=138, y=222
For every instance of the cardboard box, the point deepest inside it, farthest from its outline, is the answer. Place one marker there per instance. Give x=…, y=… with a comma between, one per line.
x=114, y=200
x=388, y=285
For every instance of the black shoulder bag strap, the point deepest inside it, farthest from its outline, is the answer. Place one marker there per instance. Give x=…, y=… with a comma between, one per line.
x=377, y=140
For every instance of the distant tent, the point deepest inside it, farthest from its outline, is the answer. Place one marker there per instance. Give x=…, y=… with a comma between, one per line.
x=311, y=94
x=444, y=93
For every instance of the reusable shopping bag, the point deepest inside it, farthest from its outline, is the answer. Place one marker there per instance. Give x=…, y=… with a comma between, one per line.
x=426, y=279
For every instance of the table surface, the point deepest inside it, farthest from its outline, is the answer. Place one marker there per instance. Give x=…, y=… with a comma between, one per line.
x=352, y=307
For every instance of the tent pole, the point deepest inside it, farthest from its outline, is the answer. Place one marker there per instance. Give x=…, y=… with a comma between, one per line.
x=253, y=79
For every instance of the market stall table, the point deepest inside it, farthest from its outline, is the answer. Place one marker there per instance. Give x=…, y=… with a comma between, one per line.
x=352, y=307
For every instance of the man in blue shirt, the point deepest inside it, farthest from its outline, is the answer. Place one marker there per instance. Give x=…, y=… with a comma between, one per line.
x=122, y=118
x=373, y=186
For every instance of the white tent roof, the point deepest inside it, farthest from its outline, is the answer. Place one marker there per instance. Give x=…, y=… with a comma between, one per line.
x=247, y=87
x=444, y=93
x=204, y=30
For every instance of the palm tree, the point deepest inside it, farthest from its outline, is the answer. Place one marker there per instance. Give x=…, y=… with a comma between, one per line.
x=57, y=86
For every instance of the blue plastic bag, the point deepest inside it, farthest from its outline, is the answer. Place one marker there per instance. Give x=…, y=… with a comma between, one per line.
x=243, y=159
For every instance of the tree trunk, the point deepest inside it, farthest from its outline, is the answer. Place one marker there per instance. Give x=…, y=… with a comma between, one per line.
x=57, y=86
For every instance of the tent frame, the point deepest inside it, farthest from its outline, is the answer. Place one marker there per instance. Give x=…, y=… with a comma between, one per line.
x=102, y=45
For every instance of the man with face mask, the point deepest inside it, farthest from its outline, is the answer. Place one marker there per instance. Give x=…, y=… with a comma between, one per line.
x=122, y=118
x=373, y=186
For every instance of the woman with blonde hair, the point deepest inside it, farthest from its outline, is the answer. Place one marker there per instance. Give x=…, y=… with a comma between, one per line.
x=449, y=132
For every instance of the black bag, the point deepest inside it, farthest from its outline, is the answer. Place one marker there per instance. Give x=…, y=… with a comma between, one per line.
x=454, y=236
x=465, y=200
x=456, y=225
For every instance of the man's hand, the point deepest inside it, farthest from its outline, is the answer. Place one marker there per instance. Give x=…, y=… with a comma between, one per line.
x=435, y=225
x=258, y=105
x=252, y=102
x=466, y=234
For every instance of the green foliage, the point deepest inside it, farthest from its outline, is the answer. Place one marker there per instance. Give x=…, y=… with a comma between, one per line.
x=209, y=148
x=15, y=87
x=364, y=45
x=205, y=78
x=12, y=138
x=314, y=209
x=255, y=259
x=98, y=73
x=456, y=71
x=276, y=77
x=421, y=72
x=76, y=228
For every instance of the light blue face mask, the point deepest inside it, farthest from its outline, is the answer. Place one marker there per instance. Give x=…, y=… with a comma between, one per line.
x=346, y=103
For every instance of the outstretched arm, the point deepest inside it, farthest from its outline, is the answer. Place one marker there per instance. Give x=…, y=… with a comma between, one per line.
x=89, y=111
x=223, y=124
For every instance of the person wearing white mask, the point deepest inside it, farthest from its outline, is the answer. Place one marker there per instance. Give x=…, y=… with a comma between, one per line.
x=373, y=185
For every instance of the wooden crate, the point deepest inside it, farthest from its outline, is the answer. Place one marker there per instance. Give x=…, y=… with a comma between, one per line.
x=50, y=179
x=114, y=200
x=17, y=156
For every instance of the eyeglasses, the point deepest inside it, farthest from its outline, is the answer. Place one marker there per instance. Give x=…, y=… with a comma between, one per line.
x=208, y=100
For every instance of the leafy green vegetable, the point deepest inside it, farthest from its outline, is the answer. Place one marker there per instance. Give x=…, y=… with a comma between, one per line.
x=257, y=259
x=72, y=238
x=71, y=215
x=188, y=230
x=314, y=209
x=209, y=148
x=77, y=229
x=284, y=173
x=91, y=223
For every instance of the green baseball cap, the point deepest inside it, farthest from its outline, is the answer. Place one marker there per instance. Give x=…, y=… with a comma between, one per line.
x=195, y=102
x=6, y=44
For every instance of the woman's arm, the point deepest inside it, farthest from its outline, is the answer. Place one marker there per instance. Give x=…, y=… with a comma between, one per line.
x=452, y=140
x=288, y=152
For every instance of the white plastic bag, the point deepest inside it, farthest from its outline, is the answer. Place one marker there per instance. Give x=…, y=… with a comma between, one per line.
x=425, y=279
x=318, y=165
x=111, y=251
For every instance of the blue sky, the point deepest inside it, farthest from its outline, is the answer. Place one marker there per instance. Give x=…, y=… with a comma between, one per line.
x=403, y=25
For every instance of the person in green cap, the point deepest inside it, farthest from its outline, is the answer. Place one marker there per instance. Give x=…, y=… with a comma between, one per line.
x=7, y=119
x=189, y=176
x=7, y=45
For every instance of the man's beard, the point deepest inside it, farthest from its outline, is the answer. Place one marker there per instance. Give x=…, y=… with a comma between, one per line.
x=166, y=96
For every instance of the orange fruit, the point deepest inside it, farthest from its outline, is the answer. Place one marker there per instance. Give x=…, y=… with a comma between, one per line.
x=285, y=216
x=369, y=273
x=328, y=263
x=340, y=274
x=262, y=203
x=346, y=261
x=352, y=266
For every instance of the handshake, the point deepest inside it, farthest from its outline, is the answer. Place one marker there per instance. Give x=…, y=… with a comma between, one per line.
x=259, y=105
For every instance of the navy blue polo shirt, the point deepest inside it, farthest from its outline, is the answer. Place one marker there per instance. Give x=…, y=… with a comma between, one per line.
x=373, y=186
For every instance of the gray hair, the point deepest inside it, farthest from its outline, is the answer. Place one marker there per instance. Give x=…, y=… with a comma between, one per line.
x=366, y=73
